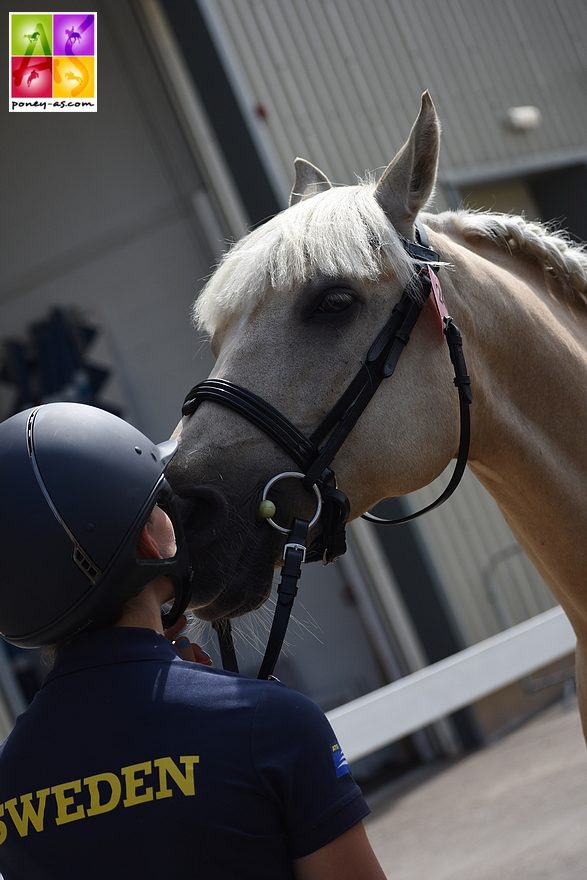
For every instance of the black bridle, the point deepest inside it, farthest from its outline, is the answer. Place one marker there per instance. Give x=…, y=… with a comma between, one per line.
x=314, y=454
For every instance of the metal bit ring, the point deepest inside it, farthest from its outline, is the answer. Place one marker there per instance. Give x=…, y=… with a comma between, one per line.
x=286, y=475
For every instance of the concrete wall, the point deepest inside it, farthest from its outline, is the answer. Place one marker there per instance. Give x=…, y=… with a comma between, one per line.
x=338, y=81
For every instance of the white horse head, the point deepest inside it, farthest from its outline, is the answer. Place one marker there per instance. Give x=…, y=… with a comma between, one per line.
x=292, y=310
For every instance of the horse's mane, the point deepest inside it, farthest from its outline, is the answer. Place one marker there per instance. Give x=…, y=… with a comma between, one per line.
x=341, y=232
x=553, y=249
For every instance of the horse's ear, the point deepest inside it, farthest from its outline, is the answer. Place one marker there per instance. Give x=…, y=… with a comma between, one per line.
x=408, y=181
x=309, y=181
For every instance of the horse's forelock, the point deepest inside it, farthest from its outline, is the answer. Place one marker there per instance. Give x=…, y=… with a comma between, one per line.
x=342, y=232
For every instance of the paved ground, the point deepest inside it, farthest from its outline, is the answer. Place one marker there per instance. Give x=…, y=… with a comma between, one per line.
x=517, y=810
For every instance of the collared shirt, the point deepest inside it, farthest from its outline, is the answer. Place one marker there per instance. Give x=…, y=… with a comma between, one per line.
x=131, y=762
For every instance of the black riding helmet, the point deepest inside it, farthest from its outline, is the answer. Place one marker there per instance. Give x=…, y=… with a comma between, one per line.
x=77, y=486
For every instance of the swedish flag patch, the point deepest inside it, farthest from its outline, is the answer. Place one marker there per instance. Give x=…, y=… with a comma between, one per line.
x=341, y=765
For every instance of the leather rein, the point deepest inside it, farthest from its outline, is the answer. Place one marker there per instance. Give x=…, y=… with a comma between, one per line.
x=314, y=455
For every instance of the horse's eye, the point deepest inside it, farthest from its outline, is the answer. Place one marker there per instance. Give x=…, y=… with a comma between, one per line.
x=334, y=301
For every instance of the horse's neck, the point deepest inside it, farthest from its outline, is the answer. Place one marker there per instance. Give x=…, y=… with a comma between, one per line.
x=528, y=362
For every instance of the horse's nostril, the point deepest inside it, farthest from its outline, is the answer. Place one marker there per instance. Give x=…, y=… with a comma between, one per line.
x=204, y=513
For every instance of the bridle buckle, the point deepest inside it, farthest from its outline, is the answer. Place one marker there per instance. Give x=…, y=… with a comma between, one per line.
x=294, y=546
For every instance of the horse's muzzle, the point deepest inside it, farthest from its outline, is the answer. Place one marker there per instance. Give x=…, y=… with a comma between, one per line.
x=204, y=514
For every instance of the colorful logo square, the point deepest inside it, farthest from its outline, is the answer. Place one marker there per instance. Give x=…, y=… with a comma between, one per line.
x=73, y=77
x=32, y=77
x=31, y=33
x=53, y=61
x=74, y=33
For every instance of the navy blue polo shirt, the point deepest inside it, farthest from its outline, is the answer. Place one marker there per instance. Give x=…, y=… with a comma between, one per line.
x=133, y=763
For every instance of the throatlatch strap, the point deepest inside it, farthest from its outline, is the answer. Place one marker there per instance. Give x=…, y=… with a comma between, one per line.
x=463, y=383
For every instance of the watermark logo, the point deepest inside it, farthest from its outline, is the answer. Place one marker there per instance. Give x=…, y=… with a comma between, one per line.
x=53, y=62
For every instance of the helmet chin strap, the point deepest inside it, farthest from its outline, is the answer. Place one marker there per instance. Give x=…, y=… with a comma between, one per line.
x=180, y=570
x=183, y=592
